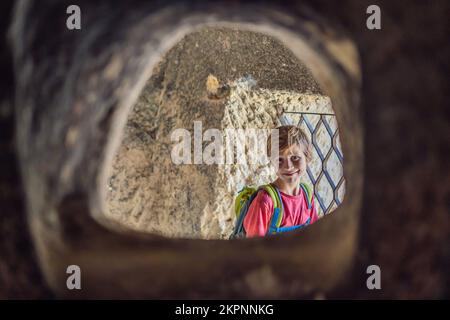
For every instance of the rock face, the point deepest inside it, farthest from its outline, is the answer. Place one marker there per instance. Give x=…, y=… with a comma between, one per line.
x=147, y=190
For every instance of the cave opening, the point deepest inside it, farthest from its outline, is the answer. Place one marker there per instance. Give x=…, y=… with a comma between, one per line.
x=215, y=84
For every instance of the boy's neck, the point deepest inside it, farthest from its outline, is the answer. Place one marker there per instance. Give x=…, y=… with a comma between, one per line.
x=290, y=189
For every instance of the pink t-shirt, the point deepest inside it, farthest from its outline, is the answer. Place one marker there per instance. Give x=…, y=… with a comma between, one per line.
x=296, y=212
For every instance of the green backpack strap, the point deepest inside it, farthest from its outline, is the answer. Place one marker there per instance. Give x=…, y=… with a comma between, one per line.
x=277, y=205
x=309, y=194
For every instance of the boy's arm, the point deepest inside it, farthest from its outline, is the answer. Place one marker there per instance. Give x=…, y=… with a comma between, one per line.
x=258, y=216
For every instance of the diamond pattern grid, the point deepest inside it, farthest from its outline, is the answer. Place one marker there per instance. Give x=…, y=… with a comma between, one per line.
x=327, y=178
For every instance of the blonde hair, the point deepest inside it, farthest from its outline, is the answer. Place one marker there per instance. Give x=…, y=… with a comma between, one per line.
x=288, y=136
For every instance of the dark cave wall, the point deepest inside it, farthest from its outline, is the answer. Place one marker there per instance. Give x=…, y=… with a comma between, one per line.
x=19, y=274
x=406, y=198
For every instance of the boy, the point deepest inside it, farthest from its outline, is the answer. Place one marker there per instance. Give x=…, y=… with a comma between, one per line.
x=295, y=152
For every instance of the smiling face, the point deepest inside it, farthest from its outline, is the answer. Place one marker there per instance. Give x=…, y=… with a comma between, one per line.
x=293, y=153
x=291, y=164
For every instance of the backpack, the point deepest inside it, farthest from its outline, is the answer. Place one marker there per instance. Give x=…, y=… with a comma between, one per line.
x=248, y=194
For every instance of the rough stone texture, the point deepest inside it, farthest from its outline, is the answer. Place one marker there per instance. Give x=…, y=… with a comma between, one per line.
x=147, y=191
x=404, y=228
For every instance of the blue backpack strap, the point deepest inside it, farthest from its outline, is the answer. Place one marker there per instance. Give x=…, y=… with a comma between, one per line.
x=284, y=229
x=274, y=228
x=278, y=212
